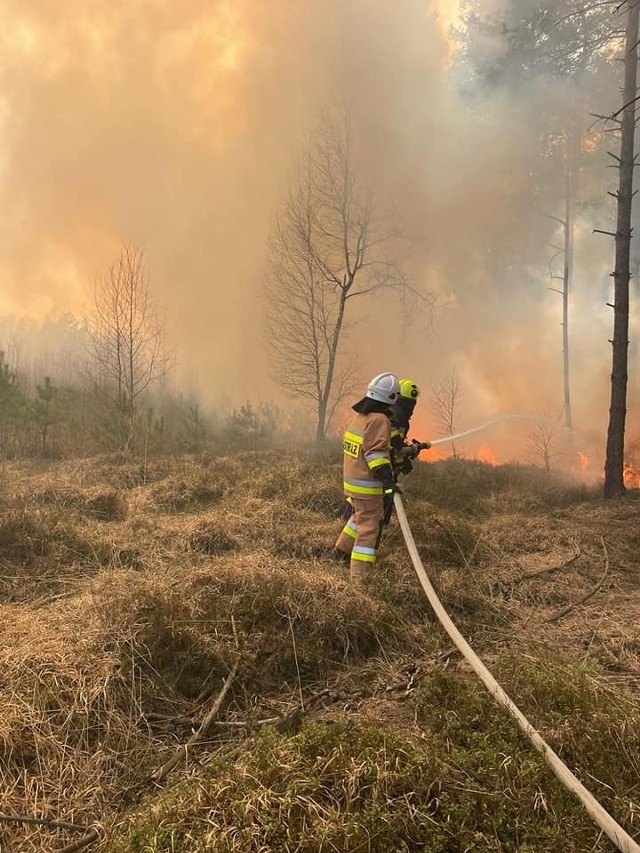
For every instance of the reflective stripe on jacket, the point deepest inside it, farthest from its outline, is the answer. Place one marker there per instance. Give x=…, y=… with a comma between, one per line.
x=366, y=446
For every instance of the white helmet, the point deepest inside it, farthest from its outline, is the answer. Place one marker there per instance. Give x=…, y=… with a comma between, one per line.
x=385, y=387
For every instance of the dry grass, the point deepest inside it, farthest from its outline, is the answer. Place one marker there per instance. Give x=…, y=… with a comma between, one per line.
x=124, y=590
x=70, y=739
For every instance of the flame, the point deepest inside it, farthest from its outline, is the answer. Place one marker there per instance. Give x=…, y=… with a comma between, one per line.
x=590, y=142
x=631, y=476
x=485, y=454
x=583, y=461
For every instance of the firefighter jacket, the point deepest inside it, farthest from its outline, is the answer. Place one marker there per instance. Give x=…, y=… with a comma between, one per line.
x=367, y=455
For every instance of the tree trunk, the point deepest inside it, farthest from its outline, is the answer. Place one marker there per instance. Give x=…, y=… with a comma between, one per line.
x=614, y=463
x=321, y=426
x=323, y=403
x=45, y=427
x=566, y=285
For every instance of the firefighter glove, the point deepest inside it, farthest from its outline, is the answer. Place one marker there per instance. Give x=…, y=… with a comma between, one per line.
x=385, y=474
x=389, y=491
x=407, y=466
x=392, y=489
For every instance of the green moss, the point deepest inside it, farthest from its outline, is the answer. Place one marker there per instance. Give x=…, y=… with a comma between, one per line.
x=595, y=736
x=350, y=788
x=331, y=787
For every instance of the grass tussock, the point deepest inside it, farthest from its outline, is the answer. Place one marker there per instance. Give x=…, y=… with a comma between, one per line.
x=41, y=551
x=81, y=678
x=187, y=494
x=352, y=787
x=476, y=488
x=107, y=506
x=291, y=624
x=306, y=485
x=23, y=536
x=70, y=739
x=328, y=788
x=207, y=537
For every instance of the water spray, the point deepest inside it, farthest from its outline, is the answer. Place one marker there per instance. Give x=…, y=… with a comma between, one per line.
x=502, y=419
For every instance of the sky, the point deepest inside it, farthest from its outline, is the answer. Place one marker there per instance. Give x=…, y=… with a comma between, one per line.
x=175, y=126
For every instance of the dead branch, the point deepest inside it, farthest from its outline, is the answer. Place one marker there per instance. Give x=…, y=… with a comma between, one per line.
x=42, y=821
x=586, y=596
x=443, y=657
x=406, y=686
x=231, y=724
x=549, y=570
x=582, y=11
x=91, y=836
x=615, y=115
x=162, y=772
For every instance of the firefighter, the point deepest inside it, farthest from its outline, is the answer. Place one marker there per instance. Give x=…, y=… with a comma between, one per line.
x=403, y=451
x=369, y=483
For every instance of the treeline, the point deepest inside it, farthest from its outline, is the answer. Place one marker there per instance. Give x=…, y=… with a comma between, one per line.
x=53, y=420
x=104, y=384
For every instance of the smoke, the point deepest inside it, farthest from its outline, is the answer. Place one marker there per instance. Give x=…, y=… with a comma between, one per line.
x=174, y=126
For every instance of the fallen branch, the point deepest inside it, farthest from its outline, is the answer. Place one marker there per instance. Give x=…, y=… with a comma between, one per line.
x=162, y=772
x=586, y=596
x=42, y=821
x=91, y=836
x=444, y=656
x=549, y=570
x=232, y=724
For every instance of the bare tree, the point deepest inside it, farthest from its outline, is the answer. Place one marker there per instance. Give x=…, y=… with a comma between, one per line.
x=614, y=462
x=445, y=404
x=566, y=250
x=540, y=444
x=327, y=249
x=125, y=329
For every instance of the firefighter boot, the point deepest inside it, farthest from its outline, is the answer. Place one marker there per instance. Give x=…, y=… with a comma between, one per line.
x=357, y=573
x=340, y=556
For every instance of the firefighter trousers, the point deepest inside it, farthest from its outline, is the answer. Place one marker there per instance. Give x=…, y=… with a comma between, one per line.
x=360, y=535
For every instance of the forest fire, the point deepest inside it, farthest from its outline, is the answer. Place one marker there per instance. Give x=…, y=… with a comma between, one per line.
x=485, y=454
x=631, y=476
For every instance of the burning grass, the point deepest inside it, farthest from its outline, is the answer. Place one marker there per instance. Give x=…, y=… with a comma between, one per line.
x=473, y=487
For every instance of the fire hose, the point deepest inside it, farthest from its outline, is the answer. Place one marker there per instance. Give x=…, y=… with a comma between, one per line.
x=597, y=812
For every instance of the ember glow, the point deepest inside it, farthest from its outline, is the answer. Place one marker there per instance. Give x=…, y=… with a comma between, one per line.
x=583, y=461
x=485, y=454
x=631, y=477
